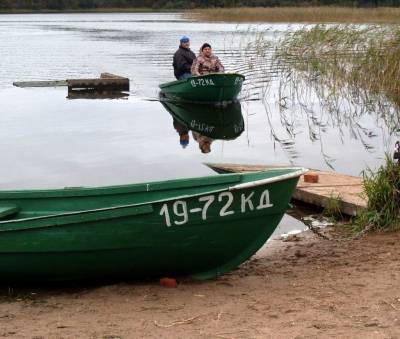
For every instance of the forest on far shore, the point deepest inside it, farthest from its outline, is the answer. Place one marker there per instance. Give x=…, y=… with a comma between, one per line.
x=178, y=4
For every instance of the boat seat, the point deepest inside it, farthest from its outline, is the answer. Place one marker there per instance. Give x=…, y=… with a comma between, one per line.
x=7, y=210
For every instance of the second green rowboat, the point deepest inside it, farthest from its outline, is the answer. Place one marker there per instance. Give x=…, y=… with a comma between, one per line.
x=210, y=88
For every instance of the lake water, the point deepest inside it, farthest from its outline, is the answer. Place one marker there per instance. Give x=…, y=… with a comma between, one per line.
x=48, y=140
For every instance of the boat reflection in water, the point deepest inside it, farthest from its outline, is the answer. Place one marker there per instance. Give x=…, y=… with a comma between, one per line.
x=207, y=122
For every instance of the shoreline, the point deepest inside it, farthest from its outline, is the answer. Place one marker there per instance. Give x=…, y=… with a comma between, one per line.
x=99, y=10
x=301, y=287
x=283, y=14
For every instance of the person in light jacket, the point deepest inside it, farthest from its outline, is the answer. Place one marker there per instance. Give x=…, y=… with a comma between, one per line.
x=206, y=62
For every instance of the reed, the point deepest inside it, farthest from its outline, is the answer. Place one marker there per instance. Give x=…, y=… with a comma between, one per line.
x=382, y=188
x=362, y=60
x=322, y=14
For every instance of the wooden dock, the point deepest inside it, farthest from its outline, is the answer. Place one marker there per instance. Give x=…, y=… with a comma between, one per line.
x=331, y=185
x=95, y=95
x=106, y=82
x=46, y=83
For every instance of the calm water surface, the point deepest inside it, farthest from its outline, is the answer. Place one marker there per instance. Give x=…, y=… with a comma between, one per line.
x=48, y=140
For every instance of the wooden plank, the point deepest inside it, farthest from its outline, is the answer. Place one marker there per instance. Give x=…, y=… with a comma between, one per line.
x=116, y=84
x=48, y=83
x=107, y=81
x=111, y=76
x=92, y=94
x=331, y=185
x=234, y=168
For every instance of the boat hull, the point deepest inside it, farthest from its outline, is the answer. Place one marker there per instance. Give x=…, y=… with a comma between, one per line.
x=202, y=235
x=224, y=122
x=210, y=88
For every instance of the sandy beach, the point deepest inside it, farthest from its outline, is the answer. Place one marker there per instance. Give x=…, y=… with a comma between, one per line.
x=304, y=287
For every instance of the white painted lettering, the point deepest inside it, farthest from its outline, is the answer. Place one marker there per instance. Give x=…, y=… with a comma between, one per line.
x=182, y=212
x=264, y=200
x=246, y=201
x=164, y=210
x=224, y=210
x=208, y=201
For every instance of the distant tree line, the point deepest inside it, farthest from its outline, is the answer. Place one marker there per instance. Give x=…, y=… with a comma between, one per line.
x=170, y=4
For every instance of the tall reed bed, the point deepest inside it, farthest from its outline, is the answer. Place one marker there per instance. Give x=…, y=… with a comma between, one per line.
x=298, y=14
x=288, y=76
x=364, y=60
x=363, y=64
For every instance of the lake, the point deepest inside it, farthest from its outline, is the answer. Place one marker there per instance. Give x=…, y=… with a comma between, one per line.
x=48, y=140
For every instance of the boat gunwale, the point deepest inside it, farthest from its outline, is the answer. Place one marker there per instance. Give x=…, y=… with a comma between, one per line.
x=153, y=186
x=176, y=82
x=297, y=172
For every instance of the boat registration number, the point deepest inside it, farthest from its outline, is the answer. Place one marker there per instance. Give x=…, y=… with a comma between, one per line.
x=178, y=212
x=202, y=82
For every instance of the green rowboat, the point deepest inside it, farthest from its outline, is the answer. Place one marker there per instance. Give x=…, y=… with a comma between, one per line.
x=223, y=122
x=201, y=227
x=216, y=87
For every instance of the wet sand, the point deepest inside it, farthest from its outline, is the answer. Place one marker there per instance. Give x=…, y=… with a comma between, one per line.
x=305, y=287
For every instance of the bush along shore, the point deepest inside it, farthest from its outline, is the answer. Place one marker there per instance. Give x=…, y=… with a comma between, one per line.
x=382, y=188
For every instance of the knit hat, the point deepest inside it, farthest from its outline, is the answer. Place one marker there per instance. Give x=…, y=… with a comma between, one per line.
x=184, y=39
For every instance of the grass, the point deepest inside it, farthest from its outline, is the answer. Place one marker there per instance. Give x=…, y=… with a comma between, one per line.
x=333, y=208
x=382, y=188
x=323, y=14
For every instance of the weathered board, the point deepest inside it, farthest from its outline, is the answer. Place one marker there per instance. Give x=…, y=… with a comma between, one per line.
x=46, y=83
x=90, y=94
x=111, y=76
x=331, y=185
x=106, y=82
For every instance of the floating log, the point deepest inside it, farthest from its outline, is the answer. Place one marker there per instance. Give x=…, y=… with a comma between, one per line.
x=346, y=189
